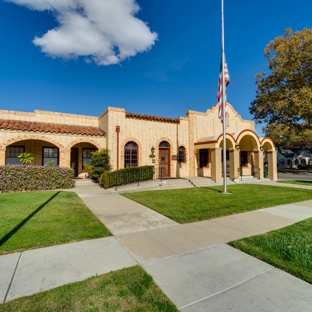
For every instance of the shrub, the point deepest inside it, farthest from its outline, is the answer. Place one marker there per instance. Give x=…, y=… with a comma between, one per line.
x=100, y=163
x=26, y=158
x=18, y=178
x=126, y=176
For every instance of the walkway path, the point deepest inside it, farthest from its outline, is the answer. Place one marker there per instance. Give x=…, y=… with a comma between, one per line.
x=191, y=262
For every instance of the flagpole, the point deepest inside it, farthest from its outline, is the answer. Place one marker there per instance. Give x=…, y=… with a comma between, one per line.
x=223, y=100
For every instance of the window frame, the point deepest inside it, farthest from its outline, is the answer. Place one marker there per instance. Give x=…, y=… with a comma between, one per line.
x=57, y=158
x=15, y=157
x=133, y=151
x=92, y=150
x=182, y=151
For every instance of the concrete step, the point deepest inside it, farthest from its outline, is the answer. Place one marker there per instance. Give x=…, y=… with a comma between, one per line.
x=247, y=178
x=201, y=181
x=85, y=181
x=154, y=185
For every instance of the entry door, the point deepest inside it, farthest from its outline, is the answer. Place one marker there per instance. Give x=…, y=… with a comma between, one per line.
x=74, y=160
x=164, y=163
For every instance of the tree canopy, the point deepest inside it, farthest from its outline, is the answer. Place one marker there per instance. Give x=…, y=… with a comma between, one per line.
x=284, y=97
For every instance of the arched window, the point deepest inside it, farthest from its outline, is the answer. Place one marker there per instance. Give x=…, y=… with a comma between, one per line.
x=131, y=154
x=182, y=154
x=164, y=144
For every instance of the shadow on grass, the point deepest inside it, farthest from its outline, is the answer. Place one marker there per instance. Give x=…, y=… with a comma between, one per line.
x=212, y=189
x=305, y=181
x=19, y=226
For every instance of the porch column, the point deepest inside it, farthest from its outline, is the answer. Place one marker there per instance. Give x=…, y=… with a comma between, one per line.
x=2, y=156
x=216, y=164
x=64, y=158
x=272, y=166
x=258, y=161
x=234, y=164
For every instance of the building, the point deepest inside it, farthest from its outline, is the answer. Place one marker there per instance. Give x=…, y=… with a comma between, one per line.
x=177, y=147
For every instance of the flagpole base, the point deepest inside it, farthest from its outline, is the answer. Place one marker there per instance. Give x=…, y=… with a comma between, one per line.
x=226, y=193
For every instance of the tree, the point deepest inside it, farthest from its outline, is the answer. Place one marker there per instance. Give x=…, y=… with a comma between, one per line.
x=284, y=97
x=99, y=162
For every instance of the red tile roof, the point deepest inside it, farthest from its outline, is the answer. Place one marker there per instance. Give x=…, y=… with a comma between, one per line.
x=48, y=127
x=154, y=118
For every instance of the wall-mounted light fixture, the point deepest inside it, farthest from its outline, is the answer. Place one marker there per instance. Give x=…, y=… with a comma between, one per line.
x=152, y=152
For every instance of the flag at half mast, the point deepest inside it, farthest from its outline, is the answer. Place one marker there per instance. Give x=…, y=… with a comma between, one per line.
x=220, y=88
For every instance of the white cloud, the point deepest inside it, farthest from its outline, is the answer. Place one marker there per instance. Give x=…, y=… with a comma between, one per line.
x=106, y=31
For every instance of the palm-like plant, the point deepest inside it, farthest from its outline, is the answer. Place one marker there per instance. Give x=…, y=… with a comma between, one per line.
x=26, y=158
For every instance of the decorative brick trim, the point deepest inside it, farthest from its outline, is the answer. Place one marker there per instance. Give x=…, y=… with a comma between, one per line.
x=32, y=137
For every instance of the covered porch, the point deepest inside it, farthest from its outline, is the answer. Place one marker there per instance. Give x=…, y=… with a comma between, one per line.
x=244, y=156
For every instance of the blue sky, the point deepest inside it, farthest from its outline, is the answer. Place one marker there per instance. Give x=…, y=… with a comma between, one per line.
x=178, y=71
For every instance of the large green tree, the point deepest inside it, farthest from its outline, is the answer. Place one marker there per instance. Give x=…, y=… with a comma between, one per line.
x=284, y=96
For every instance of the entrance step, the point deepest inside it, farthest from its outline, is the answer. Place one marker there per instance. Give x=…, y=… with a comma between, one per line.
x=175, y=183
x=85, y=181
x=158, y=184
x=201, y=181
x=248, y=178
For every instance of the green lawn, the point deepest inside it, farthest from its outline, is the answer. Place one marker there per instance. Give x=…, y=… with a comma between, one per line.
x=196, y=204
x=289, y=249
x=129, y=289
x=302, y=182
x=45, y=218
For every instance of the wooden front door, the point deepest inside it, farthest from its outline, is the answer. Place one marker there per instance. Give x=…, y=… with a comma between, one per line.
x=74, y=159
x=164, y=163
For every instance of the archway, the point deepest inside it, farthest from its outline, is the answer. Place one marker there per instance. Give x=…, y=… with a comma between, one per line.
x=164, y=159
x=44, y=152
x=80, y=154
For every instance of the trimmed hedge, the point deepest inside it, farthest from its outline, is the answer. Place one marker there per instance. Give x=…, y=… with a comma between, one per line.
x=126, y=176
x=18, y=178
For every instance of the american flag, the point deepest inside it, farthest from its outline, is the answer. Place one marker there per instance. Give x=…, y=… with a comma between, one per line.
x=220, y=93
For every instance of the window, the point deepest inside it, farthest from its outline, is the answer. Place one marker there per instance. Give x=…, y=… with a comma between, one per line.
x=164, y=144
x=86, y=155
x=244, y=159
x=11, y=154
x=203, y=158
x=131, y=154
x=49, y=154
x=182, y=154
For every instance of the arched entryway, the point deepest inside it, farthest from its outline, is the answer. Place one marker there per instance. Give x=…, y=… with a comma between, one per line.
x=80, y=155
x=164, y=160
x=268, y=147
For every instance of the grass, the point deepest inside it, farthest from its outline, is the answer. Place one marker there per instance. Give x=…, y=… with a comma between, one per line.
x=301, y=182
x=45, y=218
x=129, y=289
x=196, y=204
x=289, y=249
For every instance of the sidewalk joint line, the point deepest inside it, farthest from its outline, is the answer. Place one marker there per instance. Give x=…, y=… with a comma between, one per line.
x=224, y=290
x=7, y=292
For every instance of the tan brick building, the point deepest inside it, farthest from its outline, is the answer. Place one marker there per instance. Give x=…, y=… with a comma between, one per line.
x=177, y=147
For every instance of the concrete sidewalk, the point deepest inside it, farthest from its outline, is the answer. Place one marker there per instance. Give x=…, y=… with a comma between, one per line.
x=191, y=262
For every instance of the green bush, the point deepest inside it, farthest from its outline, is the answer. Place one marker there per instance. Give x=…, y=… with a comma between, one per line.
x=18, y=178
x=99, y=162
x=126, y=176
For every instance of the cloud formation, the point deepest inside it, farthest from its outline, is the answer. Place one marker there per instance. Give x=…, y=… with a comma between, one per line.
x=105, y=31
